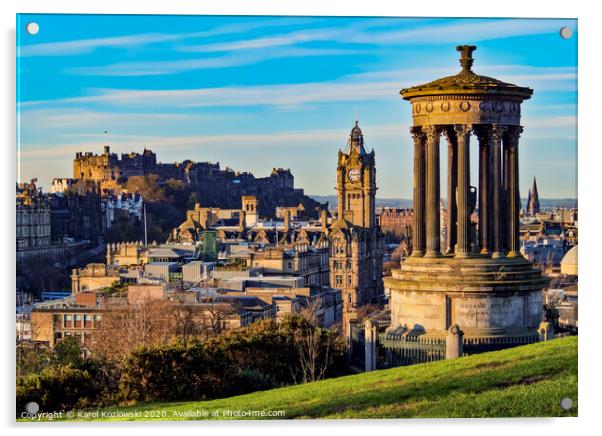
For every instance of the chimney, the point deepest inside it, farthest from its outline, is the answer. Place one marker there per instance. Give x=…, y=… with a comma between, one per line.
x=107, y=149
x=323, y=220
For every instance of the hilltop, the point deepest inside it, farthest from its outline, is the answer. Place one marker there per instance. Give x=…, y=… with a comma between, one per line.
x=527, y=381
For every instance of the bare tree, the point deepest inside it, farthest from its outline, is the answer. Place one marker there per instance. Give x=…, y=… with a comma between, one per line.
x=124, y=328
x=186, y=323
x=213, y=314
x=315, y=346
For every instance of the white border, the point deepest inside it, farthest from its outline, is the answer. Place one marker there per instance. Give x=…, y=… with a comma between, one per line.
x=589, y=198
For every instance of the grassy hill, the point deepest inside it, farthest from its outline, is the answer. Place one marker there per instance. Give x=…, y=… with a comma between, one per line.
x=524, y=381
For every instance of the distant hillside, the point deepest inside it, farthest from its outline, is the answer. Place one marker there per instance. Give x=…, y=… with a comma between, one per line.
x=545, y=203
x=527, y=381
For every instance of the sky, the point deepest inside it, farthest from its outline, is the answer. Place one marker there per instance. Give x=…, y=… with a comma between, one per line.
x=253, y=93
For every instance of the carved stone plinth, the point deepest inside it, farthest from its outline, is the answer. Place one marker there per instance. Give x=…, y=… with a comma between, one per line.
x=486, y=297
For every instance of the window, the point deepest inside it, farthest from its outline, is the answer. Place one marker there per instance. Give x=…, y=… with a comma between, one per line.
x=78, y=321
x=97, y=321
x=87, y=321
x=339, y=280
x=68, y=321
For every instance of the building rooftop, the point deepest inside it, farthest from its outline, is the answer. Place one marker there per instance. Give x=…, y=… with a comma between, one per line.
x=171, y=252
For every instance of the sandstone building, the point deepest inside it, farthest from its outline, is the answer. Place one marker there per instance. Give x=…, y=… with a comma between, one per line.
x=356, y=242
x=39, y=235
x=33, y=218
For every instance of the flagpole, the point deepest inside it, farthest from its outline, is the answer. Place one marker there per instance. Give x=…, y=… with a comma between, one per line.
x=145, y=230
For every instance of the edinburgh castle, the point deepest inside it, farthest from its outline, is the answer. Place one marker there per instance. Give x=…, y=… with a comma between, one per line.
x=215, y=186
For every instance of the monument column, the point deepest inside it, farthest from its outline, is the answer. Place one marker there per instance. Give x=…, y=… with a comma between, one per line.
x=484, y=137
x=418, y=236
x=463, y=135
x=497, y=206
x=505, y=194
x=514, y=193
x=452, y=184
x=433, y=218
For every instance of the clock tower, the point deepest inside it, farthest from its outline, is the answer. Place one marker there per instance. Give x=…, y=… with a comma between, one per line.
x=356, y=182
x=356, y=241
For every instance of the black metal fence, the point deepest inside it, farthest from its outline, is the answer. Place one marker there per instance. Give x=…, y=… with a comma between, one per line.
x=357, y=345
x=409, y=350
x=401, y=350
x=483, y=345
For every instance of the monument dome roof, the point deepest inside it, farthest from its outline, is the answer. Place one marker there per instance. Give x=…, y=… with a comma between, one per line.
x=568, y=264
x=570, y=258
x=466, y=82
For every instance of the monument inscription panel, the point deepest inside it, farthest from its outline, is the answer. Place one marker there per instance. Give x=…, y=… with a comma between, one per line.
x=490, y=312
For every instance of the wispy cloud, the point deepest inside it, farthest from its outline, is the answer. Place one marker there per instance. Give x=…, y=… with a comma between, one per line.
x=542, y=122
x=292, y=38
x=263, y=95
x=155, y=68
x=333, y=34
x=127, y=143
x=84, y=46
x=461, y=30
x=554, y=78
x=379, y=85
x=318, y=137
x=254, y=49
x=464, y=30
x=55, y=119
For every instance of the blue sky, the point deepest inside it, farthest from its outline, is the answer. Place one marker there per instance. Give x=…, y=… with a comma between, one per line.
x=259, y=92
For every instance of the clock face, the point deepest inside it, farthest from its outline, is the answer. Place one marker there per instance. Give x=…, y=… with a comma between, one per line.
x=354, y=175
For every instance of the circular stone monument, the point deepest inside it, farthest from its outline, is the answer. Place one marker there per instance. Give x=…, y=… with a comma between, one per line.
x=478, y=280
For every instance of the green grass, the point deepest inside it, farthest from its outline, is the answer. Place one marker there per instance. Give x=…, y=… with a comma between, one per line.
x=526, y=381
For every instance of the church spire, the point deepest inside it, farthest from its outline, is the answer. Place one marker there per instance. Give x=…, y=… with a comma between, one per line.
x=533, y=204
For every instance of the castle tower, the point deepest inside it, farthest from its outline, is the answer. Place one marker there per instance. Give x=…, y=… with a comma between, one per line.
x=436, y=288
x=356, y=257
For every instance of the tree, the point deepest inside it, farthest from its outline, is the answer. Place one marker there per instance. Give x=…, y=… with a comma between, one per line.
x=151, y=322
x=68, y=352
x=316, y=347
x=147, y=186
x=125, y=328
x=32, y=358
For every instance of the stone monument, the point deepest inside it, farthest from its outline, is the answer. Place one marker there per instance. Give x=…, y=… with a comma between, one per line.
x=480, y=283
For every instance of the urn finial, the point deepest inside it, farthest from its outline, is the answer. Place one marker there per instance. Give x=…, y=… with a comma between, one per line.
x=466, y=59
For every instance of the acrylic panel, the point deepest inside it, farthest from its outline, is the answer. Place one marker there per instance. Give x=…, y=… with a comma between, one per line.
x=344, y=217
